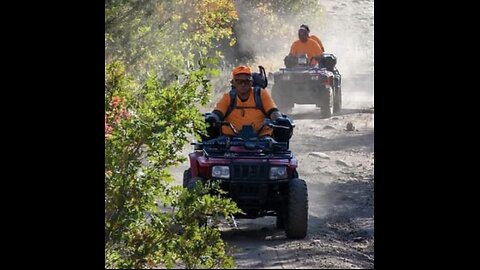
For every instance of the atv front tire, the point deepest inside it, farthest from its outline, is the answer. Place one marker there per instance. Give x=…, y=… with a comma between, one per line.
x=190, y=185
x=192, y=182
x=187, y=175
x=297, y=217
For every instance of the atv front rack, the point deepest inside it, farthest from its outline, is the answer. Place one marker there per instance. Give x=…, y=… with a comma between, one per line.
x=303, y=70
x=265, y=148
x=247, y=155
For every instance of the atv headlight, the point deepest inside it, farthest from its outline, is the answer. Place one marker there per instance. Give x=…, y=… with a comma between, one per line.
x=221, y=172
x=278, y=173
x=302, y=61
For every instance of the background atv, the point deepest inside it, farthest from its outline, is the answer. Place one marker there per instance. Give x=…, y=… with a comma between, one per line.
x=258, y=173
x=301, y=83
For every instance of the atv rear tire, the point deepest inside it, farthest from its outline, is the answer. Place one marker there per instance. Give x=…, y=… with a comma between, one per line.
x=337, y=101
x=326, y=102
x=297, y=218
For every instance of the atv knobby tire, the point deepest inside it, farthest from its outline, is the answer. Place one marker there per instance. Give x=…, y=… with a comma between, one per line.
x=297, y=216
x=326, y=102
x=187, y=175
x=337, y=100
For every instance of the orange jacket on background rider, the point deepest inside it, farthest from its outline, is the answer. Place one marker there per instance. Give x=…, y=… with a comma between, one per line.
x=310, y=47
x=245, y=112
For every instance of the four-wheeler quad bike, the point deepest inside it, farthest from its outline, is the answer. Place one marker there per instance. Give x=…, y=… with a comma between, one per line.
x=301, y=83
x=258, y=173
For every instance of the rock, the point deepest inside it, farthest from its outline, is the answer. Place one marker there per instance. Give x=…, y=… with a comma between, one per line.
x=358, y=239
x=328, y=127
x=350, y=126
x=342, y=163
x=319, y=154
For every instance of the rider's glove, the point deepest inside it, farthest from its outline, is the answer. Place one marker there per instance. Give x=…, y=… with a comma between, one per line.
x=212, y=119
x=282, y=121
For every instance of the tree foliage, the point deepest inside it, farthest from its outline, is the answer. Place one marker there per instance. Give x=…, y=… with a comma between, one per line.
x=165, y=37
x=147, y=129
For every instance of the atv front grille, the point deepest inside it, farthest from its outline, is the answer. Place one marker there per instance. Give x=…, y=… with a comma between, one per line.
x=248, y=189
x=249, y=195
x=249, y=172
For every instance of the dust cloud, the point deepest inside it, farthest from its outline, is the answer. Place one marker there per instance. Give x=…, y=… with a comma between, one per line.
x=345, y=29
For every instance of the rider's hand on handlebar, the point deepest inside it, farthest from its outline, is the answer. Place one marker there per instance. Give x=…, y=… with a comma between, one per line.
x=211, y=119
x=282, y=121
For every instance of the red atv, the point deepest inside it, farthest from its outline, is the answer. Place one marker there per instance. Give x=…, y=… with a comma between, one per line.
x=258, y=173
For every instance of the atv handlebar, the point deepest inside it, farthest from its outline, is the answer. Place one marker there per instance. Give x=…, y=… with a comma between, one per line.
x=267, y=122
x=270, y=123
x=227, y=142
